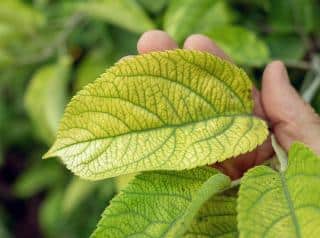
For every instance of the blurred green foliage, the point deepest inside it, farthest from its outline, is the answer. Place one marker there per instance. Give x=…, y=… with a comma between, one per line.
x=49, y=49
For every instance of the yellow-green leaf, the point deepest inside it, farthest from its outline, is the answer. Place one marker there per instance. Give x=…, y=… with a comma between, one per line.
x=160, y=204
x=284, y=204
x=168, y=110
x=124, y=13
x=242, y=45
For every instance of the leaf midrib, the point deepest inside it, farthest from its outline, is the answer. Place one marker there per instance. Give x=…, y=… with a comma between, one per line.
x=244, y=115
x=290, y=204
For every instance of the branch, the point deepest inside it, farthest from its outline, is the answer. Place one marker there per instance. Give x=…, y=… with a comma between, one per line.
x=314, y=86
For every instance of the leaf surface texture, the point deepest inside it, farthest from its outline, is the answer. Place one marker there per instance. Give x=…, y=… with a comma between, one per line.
x=169, y=110
x=160, y=204
x=284, y=204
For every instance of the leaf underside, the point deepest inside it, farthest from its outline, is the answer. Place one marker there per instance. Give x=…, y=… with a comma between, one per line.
x=161, y=204
x=168, y=110
x=216, y=218
x=273, y=204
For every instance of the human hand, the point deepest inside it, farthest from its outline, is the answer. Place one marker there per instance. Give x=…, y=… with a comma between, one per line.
x=289, y=117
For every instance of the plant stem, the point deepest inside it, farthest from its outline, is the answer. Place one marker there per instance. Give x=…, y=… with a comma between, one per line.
x=235, y=183
x=281, y=154
x=313, y=87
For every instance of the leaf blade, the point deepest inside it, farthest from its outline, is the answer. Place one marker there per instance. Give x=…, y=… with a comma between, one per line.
x=217, y=218
x=159, y=117
x=124, y=13
x=283, y=202
x=153, y=193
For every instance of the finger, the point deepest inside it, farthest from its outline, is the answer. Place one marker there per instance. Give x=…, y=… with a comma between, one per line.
x=203, y=43
x=237, y=166
x=291, y=117
x=155, y=40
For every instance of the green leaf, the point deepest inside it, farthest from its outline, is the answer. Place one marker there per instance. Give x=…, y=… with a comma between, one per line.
x=154, y=6
x=185, y=17
x=282, y=204
x=216, y=218
x=123, y=180
x=92, y=66
x=50, y=213
x=160, y=204
x=289, y=48
x=169, y=110
x=288, y=16
x=46, y=97
x=38, y=177
x=242, y=45
x=4, y=233
x=20, y=15
x=123, y=13
x=77, y=191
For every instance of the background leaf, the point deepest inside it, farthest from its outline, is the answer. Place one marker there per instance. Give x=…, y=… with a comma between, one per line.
x=123, y=13
x=273, y=204
x=164, y=111
x=242, y=45
x=292, y=15
x=46, y=97
x=160, y=204
x=20, y=16
x=185, y=17
x=37, y=178
x=154, y=6
x=289, y=48
x=92, y=66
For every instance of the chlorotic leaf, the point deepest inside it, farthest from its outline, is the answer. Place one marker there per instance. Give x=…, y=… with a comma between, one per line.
x=44, y=109
x=284, y=204
x=124, y=13
x=241, y=44
x=185, y=17
x=216, y=218
x=160, y=204
x=168, y=110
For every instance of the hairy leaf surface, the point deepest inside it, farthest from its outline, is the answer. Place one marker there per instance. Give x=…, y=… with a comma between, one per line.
x=273, y=204
x=123, y=13
x=169, y=110
x=241, y=44
x=216, y=218
x=185, y=17
x=160, y=204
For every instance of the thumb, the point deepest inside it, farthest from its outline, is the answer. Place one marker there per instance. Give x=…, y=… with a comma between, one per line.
x=291, y=118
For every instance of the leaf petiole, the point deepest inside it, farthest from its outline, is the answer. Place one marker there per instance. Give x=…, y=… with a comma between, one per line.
x=280, y=153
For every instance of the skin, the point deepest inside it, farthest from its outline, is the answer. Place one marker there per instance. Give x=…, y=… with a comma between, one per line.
x=288, y=116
